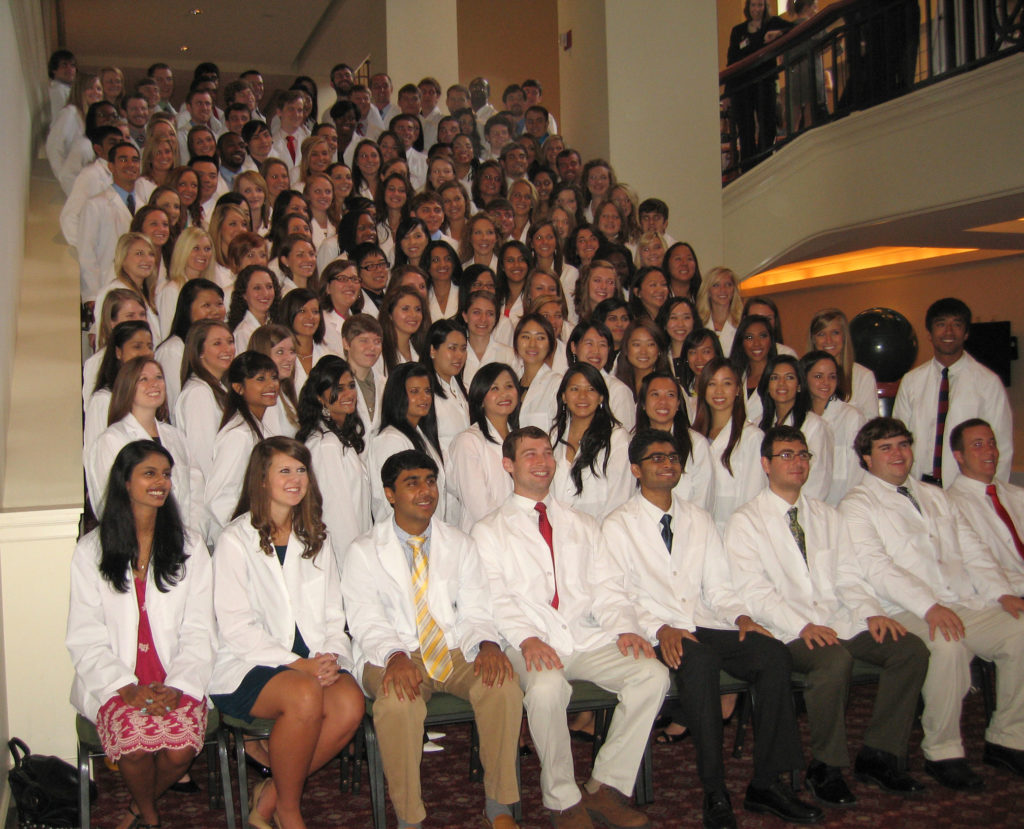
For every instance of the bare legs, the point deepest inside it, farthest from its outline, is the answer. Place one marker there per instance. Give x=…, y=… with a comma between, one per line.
x=312, y=724
x=147, y=776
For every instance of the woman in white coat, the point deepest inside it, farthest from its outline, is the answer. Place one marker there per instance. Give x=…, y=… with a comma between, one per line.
x=447, y=346
x=283, y=653
x=828, y=401
x=534, y=344
x=591, y=448
x=255, y=298
x=475, y=472
x=252, y=391
x=278, y=343
x=330, y=426
x=787, y=402
x=129, y=339
x=209, y=350
x=140, y=629
x=138, y=411
x=735, y=442
x=300, y=313
x=830, y=332
x=408, y=421
x=120, y=305
x=200, y=299
x=480, y=315
x=660, y=406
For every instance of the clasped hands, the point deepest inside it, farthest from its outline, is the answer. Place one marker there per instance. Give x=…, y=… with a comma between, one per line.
x=154, y=699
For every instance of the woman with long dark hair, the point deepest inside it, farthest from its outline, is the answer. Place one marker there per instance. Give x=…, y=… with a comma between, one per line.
x=278, y=343
x=533, y=344
x=699, y=348
x=680, y=265
x=591, y=448
x=140, y=629
x=735, y=443
x=200, y=299
x=132, y=338
x=752, y=349
x=330, y=426
x=446, y=349
x=408, y=421
x=255, y=299
x=300, y=313
x=677, y=318
x=475, y=472
x=283, y=653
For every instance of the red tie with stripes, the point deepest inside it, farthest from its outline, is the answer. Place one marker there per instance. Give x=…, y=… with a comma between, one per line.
x=990, y=491
x=545, y=530
x=940, y=426
x=290, y=141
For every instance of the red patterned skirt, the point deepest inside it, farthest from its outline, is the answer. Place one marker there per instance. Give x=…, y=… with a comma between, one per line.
x=124, y=729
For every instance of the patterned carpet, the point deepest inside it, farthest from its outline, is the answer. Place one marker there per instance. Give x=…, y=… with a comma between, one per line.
x=453, y=802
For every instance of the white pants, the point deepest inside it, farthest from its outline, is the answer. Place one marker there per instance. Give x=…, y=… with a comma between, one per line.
x=992, y=634
x=641, y=685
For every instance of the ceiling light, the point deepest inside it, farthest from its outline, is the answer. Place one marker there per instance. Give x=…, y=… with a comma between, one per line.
x=183, y=49
x=195, y=11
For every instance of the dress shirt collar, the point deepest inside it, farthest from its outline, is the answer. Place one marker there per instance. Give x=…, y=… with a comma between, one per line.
x=654, y=513
x=781, y=506
x=403, y=541
x=953, y=369
x=529, y=504
x=975, y=487
x=122, y=193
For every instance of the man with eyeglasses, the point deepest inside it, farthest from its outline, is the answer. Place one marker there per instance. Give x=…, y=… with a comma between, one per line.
x=793, y=562
x=669, y=555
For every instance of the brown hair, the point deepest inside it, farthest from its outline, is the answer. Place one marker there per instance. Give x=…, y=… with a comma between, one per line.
x=122, y=397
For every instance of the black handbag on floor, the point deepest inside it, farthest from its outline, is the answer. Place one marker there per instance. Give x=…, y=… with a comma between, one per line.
x=45, y=788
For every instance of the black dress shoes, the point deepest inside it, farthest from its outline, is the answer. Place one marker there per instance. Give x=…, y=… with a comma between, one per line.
x=779, y=800
x=1001, y=757
x=882, y=769
x=262, y=771
x=954, y=774
x=718, y=811
x=827, y=785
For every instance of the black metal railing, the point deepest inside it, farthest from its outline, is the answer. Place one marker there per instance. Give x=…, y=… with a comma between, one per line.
x=852, y=55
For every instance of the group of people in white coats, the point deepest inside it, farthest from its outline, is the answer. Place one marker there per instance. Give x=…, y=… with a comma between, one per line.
x=266, y=354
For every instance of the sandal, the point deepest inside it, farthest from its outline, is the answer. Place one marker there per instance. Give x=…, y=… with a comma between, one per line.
x=255, y=818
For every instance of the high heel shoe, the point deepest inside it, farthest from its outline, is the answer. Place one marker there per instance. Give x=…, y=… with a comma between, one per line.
x=255, y=818
x=258, y=767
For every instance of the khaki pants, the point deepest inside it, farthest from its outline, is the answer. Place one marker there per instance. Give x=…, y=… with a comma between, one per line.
x=399, y=726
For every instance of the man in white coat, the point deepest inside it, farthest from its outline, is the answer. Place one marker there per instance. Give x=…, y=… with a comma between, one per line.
x=557, y=601
x=672, y=562
x=992, y=508
x=947, y=390
x=105, y=218
x=935, y=576
x=792, y=562
x=419, y=612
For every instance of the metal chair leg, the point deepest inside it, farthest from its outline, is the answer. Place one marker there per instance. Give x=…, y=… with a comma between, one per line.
x=376, y=773
x=84, y=814
x=225, y=777
x=243, y=779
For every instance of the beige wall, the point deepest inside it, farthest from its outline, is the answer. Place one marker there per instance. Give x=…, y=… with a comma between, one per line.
x=583, y=70
x=410, y=25
x=508, y=41
x=993, y=290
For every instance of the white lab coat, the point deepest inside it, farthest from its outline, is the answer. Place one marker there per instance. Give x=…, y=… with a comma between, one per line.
x=593, y=607
x=820, y=444
x=476, y=475
x=170, y=354
x=697, y=483
x=103, y=627
x=621, y=401
x=975, y=507
x=333, y=323
x=378, y=589
x=383, y=445
x=864, y=394
x=452, y=413
x=60, y=91
x=105, y=218
x=539, y=405
x=231, y=450
x=602, y=491
x=684, y=588
x=345, y=487
x=494, y=353
x=258, y=604
x=66, y=127
x=90, y=371
x=244, y=331
x=99, y=458
x=96, y=412
x=913, y=560
x=451, y=309
x=974, y=391
x=94, y=179
x=198, y=415
x=113, y=282
x=785, y=592
x=79, y=156
x=747, y=478
x=844, y=421
x=300, y=376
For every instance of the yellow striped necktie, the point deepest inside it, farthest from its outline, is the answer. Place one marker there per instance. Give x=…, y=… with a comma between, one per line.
x=433, y=649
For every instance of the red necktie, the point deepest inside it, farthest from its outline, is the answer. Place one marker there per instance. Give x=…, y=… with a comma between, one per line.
x=290, y=141
x=990, y=491
x=940, y=426
x=545, y=530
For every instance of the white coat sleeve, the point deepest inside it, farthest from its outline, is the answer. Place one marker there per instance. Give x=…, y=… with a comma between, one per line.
x=230, y=458
x=369, y=620
x=821, y=445
x=192, y=667
x=464, y=477
x=92, y=272
x=336, y=639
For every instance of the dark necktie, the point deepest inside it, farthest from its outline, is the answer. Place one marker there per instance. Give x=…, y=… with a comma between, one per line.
x=545, y=531
x=798, y=532
x=290, y=141
x=130, y=202
x=990, y=491
x=666, y=531
x=905, y=491
x=940, y=426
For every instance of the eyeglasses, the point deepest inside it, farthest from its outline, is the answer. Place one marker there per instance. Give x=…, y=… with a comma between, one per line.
x=374, y=266
x=355, y=280
x=789, y=455
x=659, y=458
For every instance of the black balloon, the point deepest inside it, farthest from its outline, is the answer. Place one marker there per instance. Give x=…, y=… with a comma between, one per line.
x=885, y=342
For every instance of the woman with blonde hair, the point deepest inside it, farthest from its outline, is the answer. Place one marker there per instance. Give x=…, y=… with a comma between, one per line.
x=228, y=220
x=830, y=332
x=720, y=305
x=112, y=82
x=319, y=195
x=135, y=261
x=252, y=187
x=479, y=239
x=159, y=157
x=70, y=122
x=119, y=305
x=598, y=281
x=316, y=157
x=192, y=258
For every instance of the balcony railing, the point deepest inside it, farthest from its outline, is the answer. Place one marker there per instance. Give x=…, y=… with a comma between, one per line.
x=852, y=55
